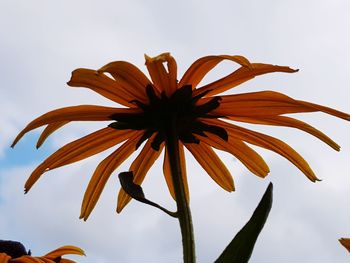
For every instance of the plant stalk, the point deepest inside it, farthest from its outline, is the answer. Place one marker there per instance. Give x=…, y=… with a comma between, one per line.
x=183, y=209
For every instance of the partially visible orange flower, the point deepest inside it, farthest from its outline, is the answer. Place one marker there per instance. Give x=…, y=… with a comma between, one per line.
x=14, y=252
x=345, y=242
x=198, y=115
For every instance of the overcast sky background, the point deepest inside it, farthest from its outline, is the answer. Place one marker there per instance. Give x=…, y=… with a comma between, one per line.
x=41, y=42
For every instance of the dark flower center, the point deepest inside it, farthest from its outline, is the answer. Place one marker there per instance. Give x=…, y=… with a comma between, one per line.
x=13, y=248
x=178, y=113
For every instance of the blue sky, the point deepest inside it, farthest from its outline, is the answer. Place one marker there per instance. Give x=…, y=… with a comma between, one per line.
x=43, y=42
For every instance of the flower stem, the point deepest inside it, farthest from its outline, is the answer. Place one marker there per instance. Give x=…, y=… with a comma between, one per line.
x=183, y=209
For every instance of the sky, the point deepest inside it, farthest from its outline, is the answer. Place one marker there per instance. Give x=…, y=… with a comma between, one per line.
x=42, y=42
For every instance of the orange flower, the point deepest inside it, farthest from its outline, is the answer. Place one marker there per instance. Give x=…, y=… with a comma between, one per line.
x=345, y=242
x=200, y=116
x=14, y=252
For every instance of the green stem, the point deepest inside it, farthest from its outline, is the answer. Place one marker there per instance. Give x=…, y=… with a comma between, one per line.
x=183, y=209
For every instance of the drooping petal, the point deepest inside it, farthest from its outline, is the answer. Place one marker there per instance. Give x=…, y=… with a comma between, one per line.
x=130, y=77
x=140, y=168
x=212, y=164
x=200, y=68
x=103, y=172
x=167, y=172
x=163, y=79
x=74, y=113
x=51, y=128
x=65, y=250
x=288, y=122
x=250, y=158
x=79, y=149
x=239, y=76
x=102, y=84
x=270, y=143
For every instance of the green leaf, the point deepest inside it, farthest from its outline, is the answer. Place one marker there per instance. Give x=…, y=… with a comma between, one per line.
x=241, y=247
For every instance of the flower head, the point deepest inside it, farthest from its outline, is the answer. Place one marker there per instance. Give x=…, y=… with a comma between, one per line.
x=15, y=252
x=197, y=115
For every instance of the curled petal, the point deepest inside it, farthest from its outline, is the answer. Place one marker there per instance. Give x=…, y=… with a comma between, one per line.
x=212, y=164
x=103, y=172
x=79, y=149
x=200, y=68
x=163, y=79
x=167, y=172
x=30, y=259
x=102, y=84
x=130, y=77
x=241, y=75
x=139, y=167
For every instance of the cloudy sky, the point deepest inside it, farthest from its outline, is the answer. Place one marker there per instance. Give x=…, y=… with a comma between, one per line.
x=41, y=42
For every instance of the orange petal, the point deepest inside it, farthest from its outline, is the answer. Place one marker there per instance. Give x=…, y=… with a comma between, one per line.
x=263, y=103
x=289, y=122
x=345, y=242
x=130, y=77
x=250, y=158
x=163, y=80
x=269, y=143
x=103, y=85
x=268, y=103
x=212, y=164
x=167, y=172
x=4, y=258
x=197, y=71
x=65, y=250
x=51, y=128
x=140, y=168
x=73, y=113
x=241, y=75
x=103, y=172
x=28, y=259
x=80, y=149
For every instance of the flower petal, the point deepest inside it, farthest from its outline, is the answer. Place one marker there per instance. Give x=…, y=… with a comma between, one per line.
x=4, y=258
x=74, y=113
x=140, y=168
x=103, y=172
x=130, y=77
x=167, y=172
x=79, y=149
x=65, y=250
x=197, y=71
x=345, y=242
x=50, y=128
x=239, y=76
x=212, y=164
x=103, y=85
x=28, y=259
x=267, y=103
x=289, y=122
x=250, y=158
x=163, y=80
x=270, y=143
x=263, y=103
